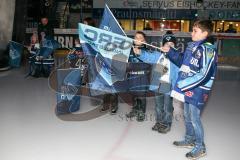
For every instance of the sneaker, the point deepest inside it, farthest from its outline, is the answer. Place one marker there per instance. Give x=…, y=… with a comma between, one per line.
x=156, y=126
x=196, y=153
x=184, y=143
x=140, y=117
x=114, y=109
x=164, y=128
x=131, y=114
x=105, y=107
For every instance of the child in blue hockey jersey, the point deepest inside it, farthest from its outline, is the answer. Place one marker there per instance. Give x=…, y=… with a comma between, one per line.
x=195, y=78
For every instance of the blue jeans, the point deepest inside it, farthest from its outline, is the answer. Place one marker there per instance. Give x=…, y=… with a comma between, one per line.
x=193, y=124
x=164, y=108
x=72, y=83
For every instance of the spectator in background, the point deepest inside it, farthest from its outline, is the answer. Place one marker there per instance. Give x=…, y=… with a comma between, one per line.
x=231, y=29
x=34, y=44
x=45, y=30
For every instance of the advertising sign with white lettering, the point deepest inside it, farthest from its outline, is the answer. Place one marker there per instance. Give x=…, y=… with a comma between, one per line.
x=169, y=4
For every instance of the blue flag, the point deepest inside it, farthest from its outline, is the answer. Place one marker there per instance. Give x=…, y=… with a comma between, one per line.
x=15, y=53
x=109, y=22
x=109, y=51
x=108, y=48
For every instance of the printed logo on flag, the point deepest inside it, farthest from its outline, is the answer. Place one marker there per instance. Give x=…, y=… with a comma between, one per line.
x=101, y=64
x=108, y=47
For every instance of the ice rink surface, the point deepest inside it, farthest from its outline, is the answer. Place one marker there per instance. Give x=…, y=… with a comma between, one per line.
x=30, y=130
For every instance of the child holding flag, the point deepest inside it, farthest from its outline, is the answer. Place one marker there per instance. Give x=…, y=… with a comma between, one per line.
x=195, y=78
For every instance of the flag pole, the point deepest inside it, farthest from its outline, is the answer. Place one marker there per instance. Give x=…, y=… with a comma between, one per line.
x=159, y=48
x=147, y=44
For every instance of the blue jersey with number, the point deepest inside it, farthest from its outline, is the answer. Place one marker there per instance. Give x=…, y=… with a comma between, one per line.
x=198, y=65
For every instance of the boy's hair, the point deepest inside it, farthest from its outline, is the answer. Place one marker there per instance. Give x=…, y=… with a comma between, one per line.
x=204, y=25
x=142, y=33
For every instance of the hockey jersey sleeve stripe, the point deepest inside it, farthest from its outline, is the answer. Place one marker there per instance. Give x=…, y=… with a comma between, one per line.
x=195, y=80
x=204, y=56
x=206, y=88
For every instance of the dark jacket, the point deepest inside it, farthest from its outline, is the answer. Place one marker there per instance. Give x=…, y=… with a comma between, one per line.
x=47, y=29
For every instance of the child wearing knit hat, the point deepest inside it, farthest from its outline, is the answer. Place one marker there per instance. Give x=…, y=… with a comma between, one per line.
x=163, y=78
